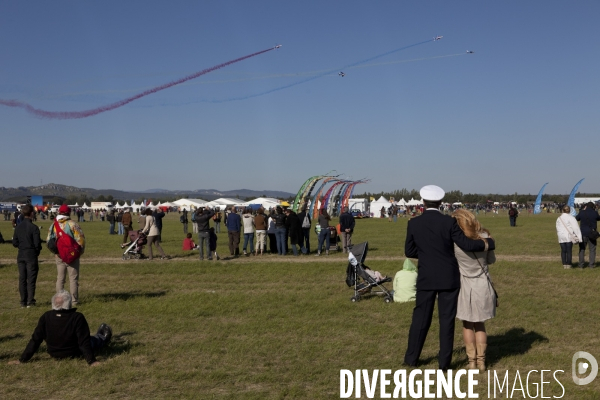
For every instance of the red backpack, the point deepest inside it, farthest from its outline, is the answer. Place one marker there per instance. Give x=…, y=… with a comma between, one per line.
x=68, y=249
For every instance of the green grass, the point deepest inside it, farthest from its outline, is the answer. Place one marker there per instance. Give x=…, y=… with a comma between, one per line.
x=283, y=327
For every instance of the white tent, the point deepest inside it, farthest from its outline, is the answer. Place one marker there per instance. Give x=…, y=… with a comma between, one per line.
x=402, y=202
x=135, y=207
x=228, y=201
x=376, y=206
x=413, y=202
x=583, y=200
x=188, y=204
x=266, y=202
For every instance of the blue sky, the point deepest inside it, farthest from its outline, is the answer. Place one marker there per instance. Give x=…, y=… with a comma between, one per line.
x=519, y=112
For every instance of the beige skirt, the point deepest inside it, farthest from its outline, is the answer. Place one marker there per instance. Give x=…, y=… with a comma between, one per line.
x=476, y=300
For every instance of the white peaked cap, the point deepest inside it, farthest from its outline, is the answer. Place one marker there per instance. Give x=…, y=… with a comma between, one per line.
x=432, y=193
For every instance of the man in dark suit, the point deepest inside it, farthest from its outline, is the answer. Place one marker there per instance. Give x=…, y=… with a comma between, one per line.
x=588, y=218
x=430, y=238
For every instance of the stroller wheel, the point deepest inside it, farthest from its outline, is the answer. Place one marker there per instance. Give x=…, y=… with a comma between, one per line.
x=124, y=257
x=355, y=299
x=388, y=299
x=138, y=256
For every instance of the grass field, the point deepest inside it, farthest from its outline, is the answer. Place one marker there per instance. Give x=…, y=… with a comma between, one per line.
x=282, y=327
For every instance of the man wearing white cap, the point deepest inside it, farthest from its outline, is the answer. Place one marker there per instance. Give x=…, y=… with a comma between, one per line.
x=430, y=238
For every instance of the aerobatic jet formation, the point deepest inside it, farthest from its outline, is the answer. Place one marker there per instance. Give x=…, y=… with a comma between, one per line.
x=342, y=74
x=437, y=38
x=277, y=46
x=470, y=52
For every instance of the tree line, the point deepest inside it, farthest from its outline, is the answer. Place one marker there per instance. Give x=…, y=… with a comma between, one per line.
x=455, y=196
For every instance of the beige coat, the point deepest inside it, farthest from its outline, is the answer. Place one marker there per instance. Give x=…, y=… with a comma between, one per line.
x=476, y=300
x=151, y=229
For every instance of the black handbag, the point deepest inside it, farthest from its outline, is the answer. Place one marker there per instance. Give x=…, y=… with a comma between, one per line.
x=350, y=281
x=51, y=244
x=594, y=234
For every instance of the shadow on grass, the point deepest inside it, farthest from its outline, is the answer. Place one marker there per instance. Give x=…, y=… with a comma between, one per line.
x=105, y=297
x=10, y=337
x=512, y=342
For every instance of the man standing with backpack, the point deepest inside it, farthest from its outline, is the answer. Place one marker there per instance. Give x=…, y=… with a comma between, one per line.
x=184, y=220
x=513, y=213
x=70, y=242
x=27, y=240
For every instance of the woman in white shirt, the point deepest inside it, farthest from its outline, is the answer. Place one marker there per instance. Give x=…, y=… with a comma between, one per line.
x=567, y=230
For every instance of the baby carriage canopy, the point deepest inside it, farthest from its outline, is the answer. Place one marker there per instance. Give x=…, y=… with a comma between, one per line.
x=360, y=251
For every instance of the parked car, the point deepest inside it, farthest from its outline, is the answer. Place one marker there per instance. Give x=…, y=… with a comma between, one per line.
x=356, y=213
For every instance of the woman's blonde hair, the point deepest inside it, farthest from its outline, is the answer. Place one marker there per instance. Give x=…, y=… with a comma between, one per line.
x=566, y=209
x=469, y=224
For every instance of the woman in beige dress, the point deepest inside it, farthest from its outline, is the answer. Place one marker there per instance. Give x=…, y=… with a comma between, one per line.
x=477, y=297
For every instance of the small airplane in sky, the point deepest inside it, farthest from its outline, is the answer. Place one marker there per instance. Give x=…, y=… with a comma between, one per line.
x=470, y=52
x=342, y=74
x=277, y=46
x=437, y=38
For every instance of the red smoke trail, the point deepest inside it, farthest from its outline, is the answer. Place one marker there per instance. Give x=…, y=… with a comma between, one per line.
x=108, y=107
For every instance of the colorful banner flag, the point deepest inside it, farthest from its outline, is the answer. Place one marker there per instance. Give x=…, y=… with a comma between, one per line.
x=571, y=202
x=538, y=202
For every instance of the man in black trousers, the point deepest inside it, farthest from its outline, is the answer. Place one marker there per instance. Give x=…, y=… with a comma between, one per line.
x=588, y=218
x=27, y=239
x=430, y=238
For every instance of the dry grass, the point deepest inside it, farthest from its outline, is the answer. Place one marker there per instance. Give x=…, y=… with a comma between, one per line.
x=283, y=327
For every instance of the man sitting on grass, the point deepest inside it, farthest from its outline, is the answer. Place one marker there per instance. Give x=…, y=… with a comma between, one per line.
x=66, y=333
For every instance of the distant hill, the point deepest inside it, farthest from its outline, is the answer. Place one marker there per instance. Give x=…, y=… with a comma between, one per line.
x=57, y=192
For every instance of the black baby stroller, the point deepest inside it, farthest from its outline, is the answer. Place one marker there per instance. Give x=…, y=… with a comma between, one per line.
x=333, y=238
x=365, y=284
x=137, y=240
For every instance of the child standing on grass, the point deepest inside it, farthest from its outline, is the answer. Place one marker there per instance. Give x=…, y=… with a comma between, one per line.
x=188, y=243
x=212, y=243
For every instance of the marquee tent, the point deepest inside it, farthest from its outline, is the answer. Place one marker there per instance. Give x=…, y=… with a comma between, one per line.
x=212, y=204
x=583, y=200
x=413, y=202
x=265, y=202
x=377, y=204
x=188, y=204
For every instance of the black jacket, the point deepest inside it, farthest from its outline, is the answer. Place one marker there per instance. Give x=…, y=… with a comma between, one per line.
x=279, y=220
x=66, y=333
x=294, y=227
x=430, y=238
x=203, y=220
x=346, y=222
x=158, y=216
x=27, y=239
x=588, y=218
